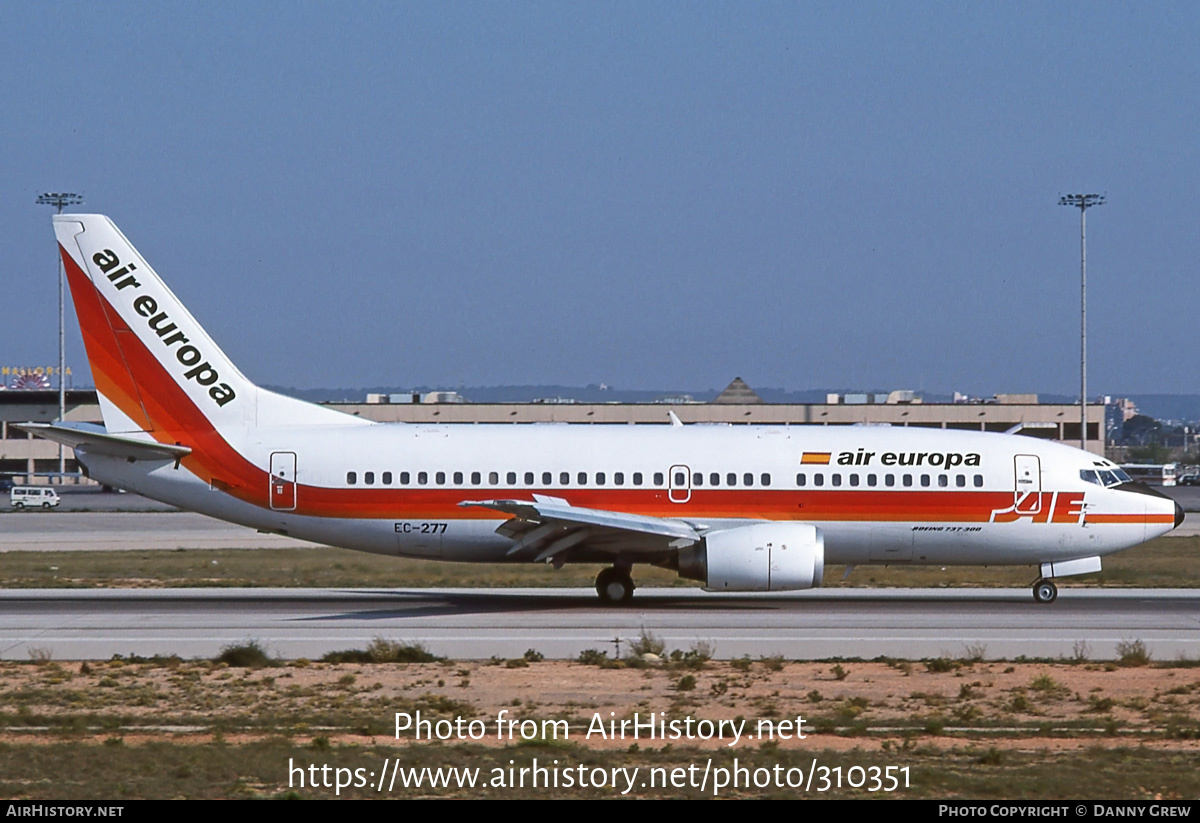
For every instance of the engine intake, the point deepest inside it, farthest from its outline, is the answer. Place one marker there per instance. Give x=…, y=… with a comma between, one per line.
x=765, y=557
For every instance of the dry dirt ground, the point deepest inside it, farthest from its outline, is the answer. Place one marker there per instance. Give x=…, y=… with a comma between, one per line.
x=851, y=704
x=973, y=729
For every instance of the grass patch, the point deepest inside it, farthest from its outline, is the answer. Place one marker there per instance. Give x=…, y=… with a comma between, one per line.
x=245, y=771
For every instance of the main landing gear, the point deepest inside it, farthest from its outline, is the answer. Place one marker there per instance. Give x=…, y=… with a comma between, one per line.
x=614, y=586
x=1044, y=591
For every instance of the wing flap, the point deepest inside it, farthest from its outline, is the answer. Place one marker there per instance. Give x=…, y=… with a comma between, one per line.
x=552, y=526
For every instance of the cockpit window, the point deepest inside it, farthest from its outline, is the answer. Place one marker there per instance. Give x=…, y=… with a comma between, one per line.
x=1105, y=477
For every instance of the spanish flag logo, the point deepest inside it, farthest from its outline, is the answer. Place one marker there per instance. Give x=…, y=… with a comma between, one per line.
x=815, y=459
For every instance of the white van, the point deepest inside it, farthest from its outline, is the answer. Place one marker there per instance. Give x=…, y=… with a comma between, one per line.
x=23, y=496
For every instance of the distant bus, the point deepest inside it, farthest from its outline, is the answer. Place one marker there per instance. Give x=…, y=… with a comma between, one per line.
x=1153, y=474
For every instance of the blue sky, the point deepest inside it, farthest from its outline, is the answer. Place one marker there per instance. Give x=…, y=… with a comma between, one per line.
x=650, y=195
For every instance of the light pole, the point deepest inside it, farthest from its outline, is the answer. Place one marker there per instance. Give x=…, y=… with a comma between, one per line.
x=59, y=200
x=1083, y=202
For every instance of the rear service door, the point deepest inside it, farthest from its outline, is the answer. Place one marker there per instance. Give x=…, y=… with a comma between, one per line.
x=283, y=481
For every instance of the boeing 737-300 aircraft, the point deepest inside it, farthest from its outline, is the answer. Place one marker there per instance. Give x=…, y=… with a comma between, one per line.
x=741, y=508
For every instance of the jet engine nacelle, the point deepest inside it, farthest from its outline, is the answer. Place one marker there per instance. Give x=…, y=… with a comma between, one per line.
x=765, y=557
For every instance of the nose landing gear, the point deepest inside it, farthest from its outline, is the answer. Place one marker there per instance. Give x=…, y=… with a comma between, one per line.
x=614, y=586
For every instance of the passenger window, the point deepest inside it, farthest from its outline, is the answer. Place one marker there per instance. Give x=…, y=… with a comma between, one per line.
x=528, y=478
x=547, y=478
x=818, y=480
x=440, y=477
x=582, y=478
x=747, y=479
x=405, y=478
x=800, y=479
x=511, y=478
x=924, y=480
x=907, y=480
x=476, y=479
x=680, y=479
x=619, y=478
x=387, y=478
x=422, y=478
x=599, y=478
x=658, y=478
x=369, y=478
x=731, y=479
x=871, y=479
x=714, y=479
x=889, y=480
x=979, y=481
x=854, y=480
x=637, y=478
x=960, y=480
x=697, y=479
x=837, y=479
x=943, y=480
x=494, y=478
x=351, y=478
x=458, y=478
x=766, y=479
x=564, y=478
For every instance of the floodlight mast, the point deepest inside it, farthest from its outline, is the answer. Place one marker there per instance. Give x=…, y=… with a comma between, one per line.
x=1083, y=202
x=60, y=200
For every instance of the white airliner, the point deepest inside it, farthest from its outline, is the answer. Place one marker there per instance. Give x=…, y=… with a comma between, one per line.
x=741, y=508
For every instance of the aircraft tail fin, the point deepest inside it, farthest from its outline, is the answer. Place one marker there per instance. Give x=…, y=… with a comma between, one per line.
x=156, y=370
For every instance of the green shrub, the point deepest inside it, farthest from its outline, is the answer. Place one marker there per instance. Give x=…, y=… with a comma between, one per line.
x=248, y=655
x=647, y=643
x=1132, y=653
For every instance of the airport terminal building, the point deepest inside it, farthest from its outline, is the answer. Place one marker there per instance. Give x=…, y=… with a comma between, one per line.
x=25, y=459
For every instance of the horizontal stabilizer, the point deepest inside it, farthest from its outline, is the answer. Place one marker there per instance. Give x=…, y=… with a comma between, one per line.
x=95, y=440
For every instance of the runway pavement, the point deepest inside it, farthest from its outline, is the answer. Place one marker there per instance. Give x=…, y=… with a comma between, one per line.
x=560, y=623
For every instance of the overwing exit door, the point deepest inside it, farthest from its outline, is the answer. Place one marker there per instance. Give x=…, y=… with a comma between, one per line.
x=283, y=481
x=679, y=484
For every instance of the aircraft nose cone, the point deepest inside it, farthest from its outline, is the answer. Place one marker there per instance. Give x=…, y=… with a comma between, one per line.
x=1178, y=515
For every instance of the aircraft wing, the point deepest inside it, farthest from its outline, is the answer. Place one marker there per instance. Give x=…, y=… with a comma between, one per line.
x=94, y=439
x=550, y=526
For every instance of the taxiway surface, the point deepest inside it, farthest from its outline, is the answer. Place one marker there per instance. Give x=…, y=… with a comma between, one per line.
x=71, y=531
